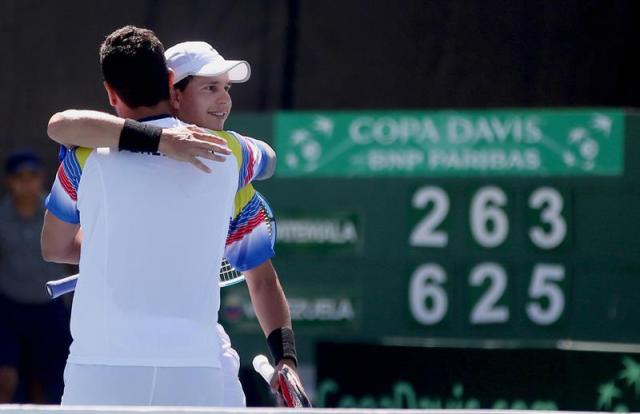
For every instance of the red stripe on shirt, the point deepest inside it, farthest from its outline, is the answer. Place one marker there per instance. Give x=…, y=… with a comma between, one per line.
x=66, y=184
x=246, y=228
x=251, y=160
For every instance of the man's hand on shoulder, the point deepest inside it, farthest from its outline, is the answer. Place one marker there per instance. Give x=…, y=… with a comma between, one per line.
x=187, y=143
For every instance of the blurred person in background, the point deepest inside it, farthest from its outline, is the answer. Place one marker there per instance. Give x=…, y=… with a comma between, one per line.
x=34, y=330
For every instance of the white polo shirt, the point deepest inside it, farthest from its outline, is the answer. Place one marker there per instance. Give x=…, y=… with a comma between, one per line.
x=154, y=233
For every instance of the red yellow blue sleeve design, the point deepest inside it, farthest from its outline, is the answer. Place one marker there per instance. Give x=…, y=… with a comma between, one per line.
x=251, y=154
x=252, y=234
x=252, y=231
x=62, y=201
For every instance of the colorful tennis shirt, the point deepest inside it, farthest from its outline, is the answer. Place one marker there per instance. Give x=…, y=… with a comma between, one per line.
x=154, y=233
x=250, y=239
x=249, y=243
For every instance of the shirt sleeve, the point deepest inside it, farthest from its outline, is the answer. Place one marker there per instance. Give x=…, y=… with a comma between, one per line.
x=62, y=201
x=252, y=232
x=256, y=156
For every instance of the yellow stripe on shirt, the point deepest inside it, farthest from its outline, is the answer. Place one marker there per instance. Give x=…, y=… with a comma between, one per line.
x=82, y=154
x=233, y=144
x=246, y=193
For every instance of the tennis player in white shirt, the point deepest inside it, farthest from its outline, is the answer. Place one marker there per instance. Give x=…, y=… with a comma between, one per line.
x=143, y=304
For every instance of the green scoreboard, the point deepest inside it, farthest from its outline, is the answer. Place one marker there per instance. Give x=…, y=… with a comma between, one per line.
x=510, y=227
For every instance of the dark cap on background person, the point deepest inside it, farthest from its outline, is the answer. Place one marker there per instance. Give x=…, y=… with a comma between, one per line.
x=22, y=161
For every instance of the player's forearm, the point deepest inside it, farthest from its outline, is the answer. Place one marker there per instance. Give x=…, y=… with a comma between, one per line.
x=85, y=128
x=67, y=253
x=70, y=255
x=268, y=298
x=60, y=242
x=271, y=308
x=92, y=129
x=270, y=163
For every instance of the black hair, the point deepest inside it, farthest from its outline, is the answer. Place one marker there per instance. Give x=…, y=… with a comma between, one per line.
x=182, y=85
x=133, y=64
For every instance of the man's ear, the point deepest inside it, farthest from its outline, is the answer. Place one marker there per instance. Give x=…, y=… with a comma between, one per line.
x=113, y=96
x=175, y=98
x=174, y=95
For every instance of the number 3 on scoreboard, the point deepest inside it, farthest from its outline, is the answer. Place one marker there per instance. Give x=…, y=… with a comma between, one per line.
x=550, y=204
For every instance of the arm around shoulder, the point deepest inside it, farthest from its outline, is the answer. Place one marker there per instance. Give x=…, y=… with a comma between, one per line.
x=84, y=128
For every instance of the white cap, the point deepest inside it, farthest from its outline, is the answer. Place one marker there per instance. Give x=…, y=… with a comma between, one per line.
x=200, y=59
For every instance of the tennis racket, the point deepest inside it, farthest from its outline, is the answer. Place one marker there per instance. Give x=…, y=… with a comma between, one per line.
x=56, y=288
x=228, y=274
x=290, y=389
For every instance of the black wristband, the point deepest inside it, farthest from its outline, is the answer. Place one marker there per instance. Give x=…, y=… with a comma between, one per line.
x=282, y=345
x=139, y=137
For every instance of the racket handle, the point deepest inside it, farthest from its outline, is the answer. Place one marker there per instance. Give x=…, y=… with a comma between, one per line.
x=263, y=367
x=291, y=390
x=57, y=288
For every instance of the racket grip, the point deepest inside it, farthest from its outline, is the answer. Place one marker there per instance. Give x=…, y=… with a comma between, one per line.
x=286, y=392
x=291, y=391
x=263, y=367
x=57, y=288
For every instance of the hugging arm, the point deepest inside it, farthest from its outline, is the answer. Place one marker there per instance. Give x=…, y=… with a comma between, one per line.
x=92, y=129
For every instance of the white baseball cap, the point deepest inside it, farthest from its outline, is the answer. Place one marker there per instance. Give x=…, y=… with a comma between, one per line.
x=200, y=59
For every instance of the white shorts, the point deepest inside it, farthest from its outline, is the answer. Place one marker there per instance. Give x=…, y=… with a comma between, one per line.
x=134, y=385
x=230, y=360
x=138, y=385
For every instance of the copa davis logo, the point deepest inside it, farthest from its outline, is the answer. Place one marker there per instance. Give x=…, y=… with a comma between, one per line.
x=619, y=394
x=580, y=150
x=584, y=142
x=305, y=150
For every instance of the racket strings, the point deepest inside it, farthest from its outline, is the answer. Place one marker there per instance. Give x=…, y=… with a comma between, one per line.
x=228, y=274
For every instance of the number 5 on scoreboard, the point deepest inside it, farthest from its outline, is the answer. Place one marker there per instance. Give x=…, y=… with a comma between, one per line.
x=546, y=296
